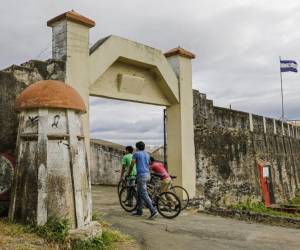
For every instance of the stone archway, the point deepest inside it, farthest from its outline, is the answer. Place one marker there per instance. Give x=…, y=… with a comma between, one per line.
x=122, y=69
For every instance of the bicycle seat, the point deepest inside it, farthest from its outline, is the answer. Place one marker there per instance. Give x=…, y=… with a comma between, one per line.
x=173, y=176
x=156, y=175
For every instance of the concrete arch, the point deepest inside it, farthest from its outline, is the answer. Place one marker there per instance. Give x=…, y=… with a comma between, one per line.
x=122, y=69
x=114, y=48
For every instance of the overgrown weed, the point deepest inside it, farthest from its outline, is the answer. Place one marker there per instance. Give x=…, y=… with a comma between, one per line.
x=54, y=230
x=259, y=207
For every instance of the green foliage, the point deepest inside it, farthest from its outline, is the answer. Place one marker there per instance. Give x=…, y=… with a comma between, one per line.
x=110, y=236
x=54, y=230
x=295, y=201
x=104, y=242
x=259, y=207
x=96, y=216
x=95, y=243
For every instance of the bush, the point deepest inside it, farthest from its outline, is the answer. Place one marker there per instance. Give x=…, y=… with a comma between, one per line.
x=259, y=207
x=54, y=230
x=96, y=243
x=104, y=242
x=295, y=201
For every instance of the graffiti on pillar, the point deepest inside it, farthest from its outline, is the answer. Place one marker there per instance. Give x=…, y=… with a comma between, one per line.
x=32, y=121
x=55, y=121
x=65, y=144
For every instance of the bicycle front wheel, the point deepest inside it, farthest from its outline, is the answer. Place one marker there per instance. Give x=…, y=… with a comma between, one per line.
x=182, y=194
x=128, y=199
x=168, y=205
x=121, y=184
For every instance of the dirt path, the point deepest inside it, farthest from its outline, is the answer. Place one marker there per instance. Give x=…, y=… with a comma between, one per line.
x=192, y=230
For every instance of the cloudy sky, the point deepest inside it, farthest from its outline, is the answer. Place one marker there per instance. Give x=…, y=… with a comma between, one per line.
x=237, y=43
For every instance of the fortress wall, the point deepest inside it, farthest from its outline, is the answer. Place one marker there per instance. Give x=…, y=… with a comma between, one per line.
x=106, y=162
x=228, y=144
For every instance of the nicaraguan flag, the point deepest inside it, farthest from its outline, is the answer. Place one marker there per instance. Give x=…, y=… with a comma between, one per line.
x=288, y=66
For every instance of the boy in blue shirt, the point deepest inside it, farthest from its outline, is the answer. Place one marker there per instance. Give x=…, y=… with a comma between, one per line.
x=142, y=160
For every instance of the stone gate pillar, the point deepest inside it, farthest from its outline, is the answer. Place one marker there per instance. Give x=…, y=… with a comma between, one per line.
x=70, y=42
x=52, y=173
x=180, y=129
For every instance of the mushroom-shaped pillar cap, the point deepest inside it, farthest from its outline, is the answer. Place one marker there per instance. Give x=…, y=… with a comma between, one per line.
x=50, y=94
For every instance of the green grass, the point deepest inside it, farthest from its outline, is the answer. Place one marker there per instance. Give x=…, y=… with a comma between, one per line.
x=259, y=207
x=55, y=233
x=295, y=201
x=94, y=243
x=105, y=242
x=17, y=237
x=54, y=230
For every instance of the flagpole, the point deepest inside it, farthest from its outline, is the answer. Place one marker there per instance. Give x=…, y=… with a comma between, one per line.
x=282, y=108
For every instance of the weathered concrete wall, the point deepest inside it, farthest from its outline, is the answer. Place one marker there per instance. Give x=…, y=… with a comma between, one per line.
x=12, y=81
x=106, y=160
x=228, y=144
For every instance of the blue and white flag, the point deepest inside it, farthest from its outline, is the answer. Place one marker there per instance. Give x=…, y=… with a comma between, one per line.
x=288, y=66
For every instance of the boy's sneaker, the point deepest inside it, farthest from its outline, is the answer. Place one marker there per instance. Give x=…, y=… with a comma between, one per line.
x=136, y=214
x=153, y=216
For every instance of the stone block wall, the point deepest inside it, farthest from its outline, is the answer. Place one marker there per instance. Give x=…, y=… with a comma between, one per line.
x=228, y=144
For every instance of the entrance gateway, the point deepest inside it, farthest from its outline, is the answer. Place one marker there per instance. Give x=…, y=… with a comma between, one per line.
x=118, y=68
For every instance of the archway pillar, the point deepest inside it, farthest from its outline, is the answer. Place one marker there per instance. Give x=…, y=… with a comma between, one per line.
x=180, y=129
x=70, y=42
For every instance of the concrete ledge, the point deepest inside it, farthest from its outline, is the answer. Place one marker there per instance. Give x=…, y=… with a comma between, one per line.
x=255, y=217
x=86, y=232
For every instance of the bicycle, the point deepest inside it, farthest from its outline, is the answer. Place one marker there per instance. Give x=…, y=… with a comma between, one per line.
x=167, y=203
x=179, y=191
x=122, y=183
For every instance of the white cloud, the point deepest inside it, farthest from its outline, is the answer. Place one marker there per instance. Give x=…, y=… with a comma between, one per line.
x=237, y=44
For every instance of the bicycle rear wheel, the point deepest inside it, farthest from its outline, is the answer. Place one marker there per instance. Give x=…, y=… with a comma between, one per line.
x=128, y=198
x=182, y=194
x=168, y=205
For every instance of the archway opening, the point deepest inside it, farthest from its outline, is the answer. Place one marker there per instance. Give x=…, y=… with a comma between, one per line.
x=115, y=124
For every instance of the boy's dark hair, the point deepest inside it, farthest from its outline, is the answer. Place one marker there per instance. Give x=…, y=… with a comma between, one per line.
x=129, y=149
x=152, y=159
x=140, y=145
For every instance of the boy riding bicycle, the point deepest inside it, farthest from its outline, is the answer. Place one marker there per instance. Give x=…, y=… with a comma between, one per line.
x=159, y=169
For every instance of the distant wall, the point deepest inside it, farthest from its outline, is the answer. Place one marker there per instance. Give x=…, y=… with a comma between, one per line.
x=106, y=163
x=228, y=144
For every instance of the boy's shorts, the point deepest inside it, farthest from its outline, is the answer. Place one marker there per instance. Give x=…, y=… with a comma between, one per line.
x=165, y=185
